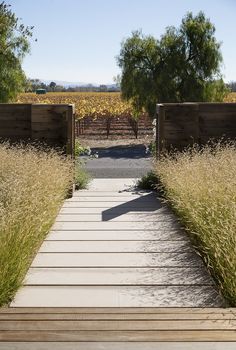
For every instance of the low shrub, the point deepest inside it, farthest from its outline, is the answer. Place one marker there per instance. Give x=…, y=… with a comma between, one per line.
x=148, y=181
x=82, y=177
x=81, y=150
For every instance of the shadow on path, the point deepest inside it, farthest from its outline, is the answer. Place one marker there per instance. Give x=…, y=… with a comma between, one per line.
x=144, y=203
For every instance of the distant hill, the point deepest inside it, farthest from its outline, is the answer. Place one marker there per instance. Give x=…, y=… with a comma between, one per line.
x=62, y=85
x=76, y=83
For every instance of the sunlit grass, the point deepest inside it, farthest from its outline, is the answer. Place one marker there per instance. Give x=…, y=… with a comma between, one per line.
x=33, y=184
x=201, y=187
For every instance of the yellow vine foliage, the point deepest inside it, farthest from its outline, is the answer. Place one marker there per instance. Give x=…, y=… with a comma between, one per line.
x=92, y=104
x=231, y=97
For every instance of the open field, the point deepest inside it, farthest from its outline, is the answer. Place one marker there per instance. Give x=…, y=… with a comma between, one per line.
x=201, y=187
x=33, y=186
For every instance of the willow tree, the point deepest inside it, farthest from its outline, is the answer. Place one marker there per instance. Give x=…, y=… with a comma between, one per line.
x=14, y=45
x=183, y=65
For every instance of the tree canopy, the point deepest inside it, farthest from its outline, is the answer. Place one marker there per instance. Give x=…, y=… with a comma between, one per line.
x=14, y=44
x=183, y=65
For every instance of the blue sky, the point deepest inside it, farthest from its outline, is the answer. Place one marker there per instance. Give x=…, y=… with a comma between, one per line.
x=79, y=39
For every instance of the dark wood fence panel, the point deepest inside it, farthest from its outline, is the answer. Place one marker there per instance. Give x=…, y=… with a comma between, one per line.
x=181, y=125
x=217, y=120
x=48, y=123
x=15, y=121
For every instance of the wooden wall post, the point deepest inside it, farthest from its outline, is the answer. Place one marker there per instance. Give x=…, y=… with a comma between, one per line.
x=160, y=132
x=70, y=147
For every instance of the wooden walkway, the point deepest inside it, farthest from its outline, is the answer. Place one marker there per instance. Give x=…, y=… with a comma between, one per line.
x=113, y=246
x=117, y=328
x=117, y=272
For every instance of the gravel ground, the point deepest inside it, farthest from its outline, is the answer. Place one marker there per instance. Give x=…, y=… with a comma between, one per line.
x=121, y=161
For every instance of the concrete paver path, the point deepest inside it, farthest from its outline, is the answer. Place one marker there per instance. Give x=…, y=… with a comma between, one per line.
x=115, y=246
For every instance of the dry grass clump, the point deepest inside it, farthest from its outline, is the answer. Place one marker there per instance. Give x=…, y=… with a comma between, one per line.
x=201, y=187
x=33, y=184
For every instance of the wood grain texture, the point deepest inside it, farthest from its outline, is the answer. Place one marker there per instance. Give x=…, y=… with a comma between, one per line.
x=117, y=325
x=120, y=336
x=122, y=310
x=117, y=346
x=41, y=122
x=185, y=124
x=92, y=314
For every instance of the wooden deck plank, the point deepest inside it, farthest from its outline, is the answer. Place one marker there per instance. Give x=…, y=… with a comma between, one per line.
x=121, y=310
x=117, y=276
x=21, y=316
x=117, y=325
x=117, y=346
x=120, y=336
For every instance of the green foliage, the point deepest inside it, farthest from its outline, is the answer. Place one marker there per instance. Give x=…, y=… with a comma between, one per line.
x=216, y=91
x=81, y=150
x=52, y=85
x=14, y=44
x=152, y=148
x=184, y=65
x=82, y=178
x=148, y=181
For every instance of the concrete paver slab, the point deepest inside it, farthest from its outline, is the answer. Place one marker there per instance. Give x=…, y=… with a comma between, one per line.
x=117, y=296
x=116, y=259
x=118, y=276
x=123, y=235
x=115, y=246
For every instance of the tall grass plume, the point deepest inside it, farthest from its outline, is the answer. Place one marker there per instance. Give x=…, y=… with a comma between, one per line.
x=33, y=184
x=200, y=184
